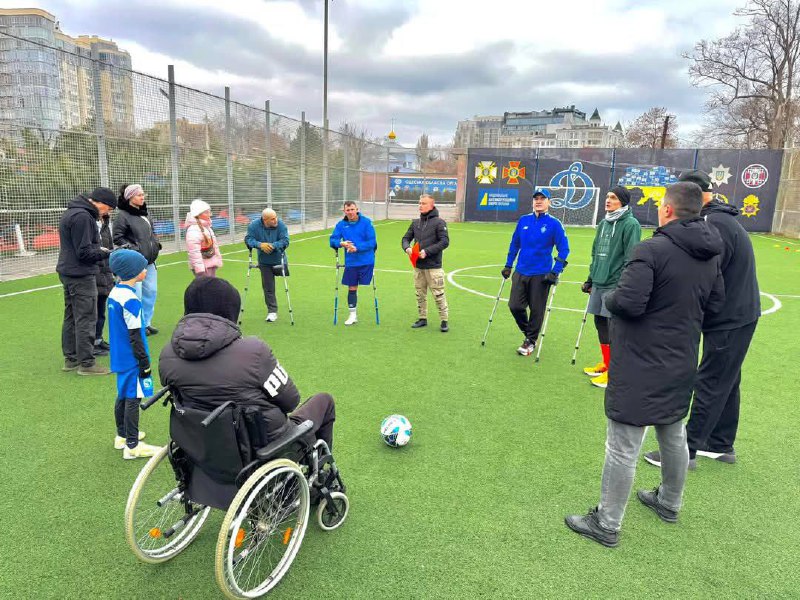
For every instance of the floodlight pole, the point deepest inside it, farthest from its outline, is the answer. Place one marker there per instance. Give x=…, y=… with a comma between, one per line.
x=325, y=70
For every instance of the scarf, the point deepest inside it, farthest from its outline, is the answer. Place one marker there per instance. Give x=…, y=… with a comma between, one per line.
x=615, y=215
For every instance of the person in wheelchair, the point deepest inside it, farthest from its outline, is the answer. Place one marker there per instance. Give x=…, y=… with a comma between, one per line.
x=208, y=362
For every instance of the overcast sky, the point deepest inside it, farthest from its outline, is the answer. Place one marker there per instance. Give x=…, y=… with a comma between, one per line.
x=425, y=63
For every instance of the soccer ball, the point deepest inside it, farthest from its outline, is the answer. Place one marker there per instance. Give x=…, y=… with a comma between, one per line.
x=396, y=430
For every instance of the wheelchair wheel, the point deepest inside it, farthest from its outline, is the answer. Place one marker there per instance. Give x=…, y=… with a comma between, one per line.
x=341, y=506
x=262, y=530
x=158, y=525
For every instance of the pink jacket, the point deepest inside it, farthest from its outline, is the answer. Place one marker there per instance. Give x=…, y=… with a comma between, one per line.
x=194, y=240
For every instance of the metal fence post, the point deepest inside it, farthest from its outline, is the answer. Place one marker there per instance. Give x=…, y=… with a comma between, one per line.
x=346, y=165
x=99, y=117
x=268, y=147
x=374, y=189
x=303, y=171
x=173, y=143
x=388, y=166
x=325, y=175
x=229, y=163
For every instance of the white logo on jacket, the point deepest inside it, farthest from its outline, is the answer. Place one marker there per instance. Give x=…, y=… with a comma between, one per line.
x=275, y=380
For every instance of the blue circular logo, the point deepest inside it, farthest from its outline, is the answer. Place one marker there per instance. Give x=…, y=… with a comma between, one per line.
x=577, y=188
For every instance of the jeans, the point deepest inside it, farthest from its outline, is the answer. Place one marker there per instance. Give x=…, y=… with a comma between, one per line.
x=623, y=444
x=80, y=319
x=147, y=291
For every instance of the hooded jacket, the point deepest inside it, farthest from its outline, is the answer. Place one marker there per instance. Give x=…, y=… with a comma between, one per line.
x=657, y=311
x=738, y=263
x=612, y=247
x=209, y=362
x=194, y=244
x=430, y=232
x=79, y=240
x=362, y=234
x=133, y=229
x=532, y=245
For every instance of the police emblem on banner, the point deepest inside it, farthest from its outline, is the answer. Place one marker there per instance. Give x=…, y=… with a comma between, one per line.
x=750, y=206
x=720, y=175
x=754, y=176
x=513, y=172
x=485, y=172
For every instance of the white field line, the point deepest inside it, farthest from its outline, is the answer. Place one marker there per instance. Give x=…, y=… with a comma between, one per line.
x=773, y=239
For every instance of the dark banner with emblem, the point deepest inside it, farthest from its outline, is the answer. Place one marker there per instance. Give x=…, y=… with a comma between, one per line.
x=500, y=182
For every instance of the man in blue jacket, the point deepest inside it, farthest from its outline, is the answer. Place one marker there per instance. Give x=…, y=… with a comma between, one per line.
x=356, y=235
x=270, y=237
x=532, y=246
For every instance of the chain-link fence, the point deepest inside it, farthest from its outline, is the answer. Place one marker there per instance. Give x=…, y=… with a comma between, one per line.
x=787, y=213
x=112, y=126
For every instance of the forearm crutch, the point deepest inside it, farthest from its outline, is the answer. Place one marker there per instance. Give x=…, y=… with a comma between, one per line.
x=336, y=291
x=284, y=272
x=580, y=332
x=494, y=309
x=246, y=285
x=540, y=342
x=375, y=296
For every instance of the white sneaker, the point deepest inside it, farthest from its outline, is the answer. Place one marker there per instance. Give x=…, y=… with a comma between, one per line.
x=141, y=450
x=352, y=318
x=271, y=317
x=119, y=441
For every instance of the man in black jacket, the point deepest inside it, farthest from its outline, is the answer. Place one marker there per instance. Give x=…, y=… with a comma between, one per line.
x=78, y=257
x=209, y=362
x=430, y=233
x=714, y=420
x=657, y=311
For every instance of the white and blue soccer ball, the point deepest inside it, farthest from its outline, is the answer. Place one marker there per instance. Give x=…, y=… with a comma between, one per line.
x=396, y=431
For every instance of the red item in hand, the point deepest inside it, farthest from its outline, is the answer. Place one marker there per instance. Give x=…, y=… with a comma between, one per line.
x=414, y=255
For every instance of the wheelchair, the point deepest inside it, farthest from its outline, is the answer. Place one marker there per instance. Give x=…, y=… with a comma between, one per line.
x=267, y=493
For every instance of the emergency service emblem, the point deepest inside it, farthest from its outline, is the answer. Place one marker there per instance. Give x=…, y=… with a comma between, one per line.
x=754, y=176
x=513, y=172
x=750, y=206
x=485, y=172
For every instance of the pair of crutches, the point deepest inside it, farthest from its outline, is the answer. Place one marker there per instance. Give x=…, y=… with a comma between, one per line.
x=250, y=266
x=543, y=332
x=339, y=265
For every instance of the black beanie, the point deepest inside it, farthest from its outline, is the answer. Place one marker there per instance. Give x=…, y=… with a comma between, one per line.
x=622, y=194
x=104, y=196
x=212, y=295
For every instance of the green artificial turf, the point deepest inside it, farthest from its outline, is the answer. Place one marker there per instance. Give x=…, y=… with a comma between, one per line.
x=503, y=448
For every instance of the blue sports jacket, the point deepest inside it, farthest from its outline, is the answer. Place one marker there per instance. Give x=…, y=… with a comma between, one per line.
x=278, y=236
x=533, y=239
x=362, y=234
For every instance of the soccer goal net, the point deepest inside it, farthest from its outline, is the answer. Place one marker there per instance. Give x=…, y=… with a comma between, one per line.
x=574, y=206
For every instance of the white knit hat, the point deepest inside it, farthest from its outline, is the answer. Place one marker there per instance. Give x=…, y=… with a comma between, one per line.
x=198, y=207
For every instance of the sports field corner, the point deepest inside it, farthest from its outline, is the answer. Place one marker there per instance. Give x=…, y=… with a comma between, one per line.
x=503, y=447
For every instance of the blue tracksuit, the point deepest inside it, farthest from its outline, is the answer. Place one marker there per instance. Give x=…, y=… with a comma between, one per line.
x=362, y=234
x=533, y=239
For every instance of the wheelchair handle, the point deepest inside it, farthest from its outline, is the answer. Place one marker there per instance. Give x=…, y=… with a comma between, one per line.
x=155, y=398
x=217, y=412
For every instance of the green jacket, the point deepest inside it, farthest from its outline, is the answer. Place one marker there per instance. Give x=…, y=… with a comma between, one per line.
x=611, y=249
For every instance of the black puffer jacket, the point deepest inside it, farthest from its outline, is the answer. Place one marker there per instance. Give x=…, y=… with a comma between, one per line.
x=738, y=264
x=430, y=231
x=105, y=278
x=670, y=281
x=209, y=362
x=79, y=240
x=133, y=229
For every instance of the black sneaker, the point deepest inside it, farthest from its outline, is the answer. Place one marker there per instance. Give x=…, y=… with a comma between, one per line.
x=724, y=457
x=654, y=458
x=443, y=327
x=419, y=323
x=650, y=500
x=149, y=330
x=99, y=351
x=101, y=343
x=527, y=347
x=588, y=526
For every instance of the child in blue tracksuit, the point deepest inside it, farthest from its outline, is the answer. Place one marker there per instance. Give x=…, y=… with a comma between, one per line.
x=130, y=358
x=532, y=246
x=270, y=236
x=356, y=235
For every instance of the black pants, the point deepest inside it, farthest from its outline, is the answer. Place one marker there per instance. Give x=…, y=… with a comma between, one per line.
x=528, y=291
x=126, y=416
x=321, y=410
x=714, y=419
x=268, y=285
x=80, y=318
x=101, y=315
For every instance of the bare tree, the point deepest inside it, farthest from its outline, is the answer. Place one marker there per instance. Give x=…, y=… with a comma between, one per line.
x=647, y=130
x=752, y=72
x=423, y=150
x=355, y=139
